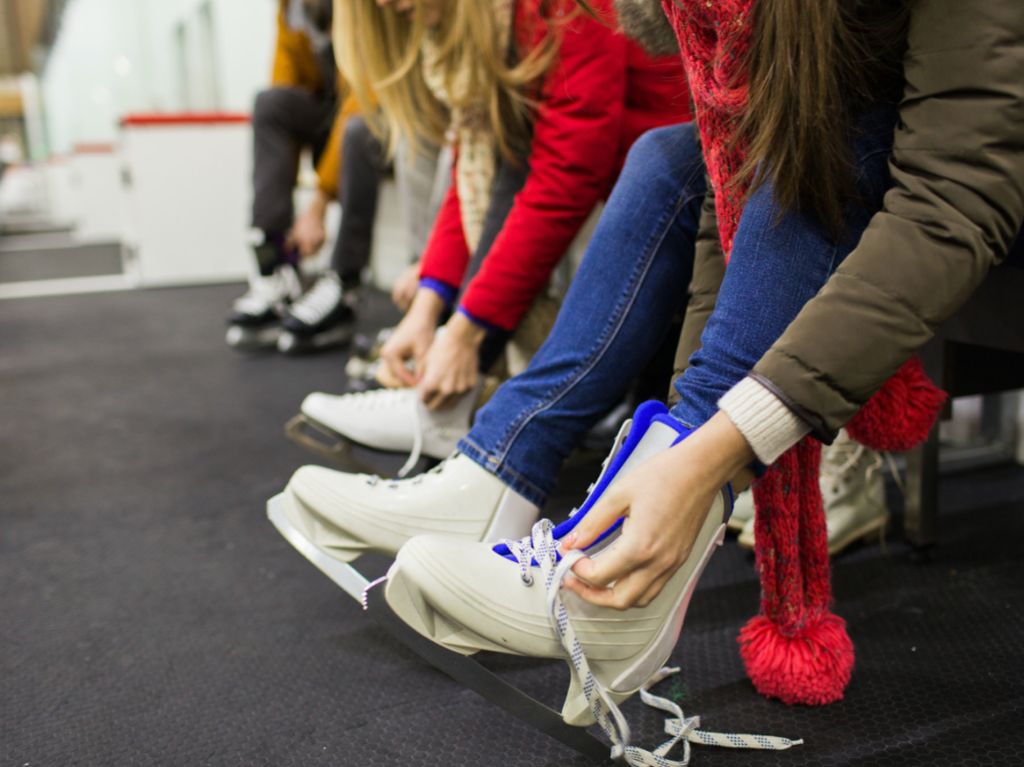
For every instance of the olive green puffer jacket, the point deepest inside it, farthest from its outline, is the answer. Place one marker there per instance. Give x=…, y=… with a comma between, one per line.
x=954, y=209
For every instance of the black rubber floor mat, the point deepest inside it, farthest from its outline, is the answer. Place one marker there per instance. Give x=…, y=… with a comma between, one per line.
x=151, y=615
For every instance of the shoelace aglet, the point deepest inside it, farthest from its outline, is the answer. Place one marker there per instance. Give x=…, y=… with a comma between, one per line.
x=364, y=598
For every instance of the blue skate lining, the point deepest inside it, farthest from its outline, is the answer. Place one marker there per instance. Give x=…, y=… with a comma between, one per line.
x=646, y=414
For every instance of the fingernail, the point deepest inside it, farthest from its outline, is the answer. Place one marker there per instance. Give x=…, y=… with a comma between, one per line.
x=569, y=541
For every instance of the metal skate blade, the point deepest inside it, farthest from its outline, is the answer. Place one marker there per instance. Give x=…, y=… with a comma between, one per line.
x=344, y=454
x=346, y=576
x=290, y=343
x=252, y=339
x=468, y=672
x=323, y=441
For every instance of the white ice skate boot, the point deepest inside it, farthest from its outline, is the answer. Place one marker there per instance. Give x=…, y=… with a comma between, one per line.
x=333, y=517
x=255, y=318
x=391, y=420
x=470, y=596
x=742, y=511
x=324, y=317
x=853, y=489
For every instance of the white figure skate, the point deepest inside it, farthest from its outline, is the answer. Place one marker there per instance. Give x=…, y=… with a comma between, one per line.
x=332, y=517
x=387, y=420
x=468, y=596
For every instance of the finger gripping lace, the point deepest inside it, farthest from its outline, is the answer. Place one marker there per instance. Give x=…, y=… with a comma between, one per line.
x=541, y=550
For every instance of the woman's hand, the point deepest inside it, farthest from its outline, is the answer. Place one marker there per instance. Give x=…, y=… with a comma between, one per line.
x=664, y=501
x=404, y=290
x=452, y=364
x=413, y=337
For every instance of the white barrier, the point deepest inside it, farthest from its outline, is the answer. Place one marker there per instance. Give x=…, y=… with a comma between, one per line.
x=188, y=194
x=96, y=193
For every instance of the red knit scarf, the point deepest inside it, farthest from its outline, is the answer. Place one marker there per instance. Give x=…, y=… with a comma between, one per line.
x=796, y=650
x=714, y=39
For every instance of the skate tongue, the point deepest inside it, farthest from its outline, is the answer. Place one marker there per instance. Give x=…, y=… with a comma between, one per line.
x=650, y=418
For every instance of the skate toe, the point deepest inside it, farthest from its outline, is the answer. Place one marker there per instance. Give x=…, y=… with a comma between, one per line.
x=320, y=407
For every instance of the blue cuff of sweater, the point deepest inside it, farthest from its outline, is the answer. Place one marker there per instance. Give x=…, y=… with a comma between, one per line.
x=443, y=289
x=488, y=326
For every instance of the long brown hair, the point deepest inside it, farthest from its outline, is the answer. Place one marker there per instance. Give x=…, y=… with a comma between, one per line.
x=813, y=65
x=379, y=52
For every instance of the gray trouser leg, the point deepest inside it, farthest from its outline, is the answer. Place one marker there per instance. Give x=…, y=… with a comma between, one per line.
x=284, y=120
x=362, y=165
x=423, y=178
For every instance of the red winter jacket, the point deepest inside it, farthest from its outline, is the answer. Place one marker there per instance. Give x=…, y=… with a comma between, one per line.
x=601, y=94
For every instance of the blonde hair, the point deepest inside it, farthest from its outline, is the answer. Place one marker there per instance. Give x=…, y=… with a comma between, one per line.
x=379, y=52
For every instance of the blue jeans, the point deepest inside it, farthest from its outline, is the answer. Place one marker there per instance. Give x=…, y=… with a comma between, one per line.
x=634, y=278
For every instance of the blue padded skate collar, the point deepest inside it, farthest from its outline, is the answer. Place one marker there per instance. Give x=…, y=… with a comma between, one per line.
x=645, y=415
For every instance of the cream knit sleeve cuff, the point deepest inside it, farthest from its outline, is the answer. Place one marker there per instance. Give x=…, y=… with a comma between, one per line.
x=765, y=422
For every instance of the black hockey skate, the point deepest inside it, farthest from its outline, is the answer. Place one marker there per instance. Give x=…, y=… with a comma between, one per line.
x=323, y=318
x=255, y=319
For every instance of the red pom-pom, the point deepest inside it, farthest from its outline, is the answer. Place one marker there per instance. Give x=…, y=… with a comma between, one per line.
x=811, y=667
x=901, y=413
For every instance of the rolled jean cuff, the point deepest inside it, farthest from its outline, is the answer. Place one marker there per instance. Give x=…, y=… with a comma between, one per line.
x=514, y=480
x=769, y=427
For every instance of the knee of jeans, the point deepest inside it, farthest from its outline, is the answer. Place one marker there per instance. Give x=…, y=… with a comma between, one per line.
x=666, y=150
x=657, y=143
x=269, y=104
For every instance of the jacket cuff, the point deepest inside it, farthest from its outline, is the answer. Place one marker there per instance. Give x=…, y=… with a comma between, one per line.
x=763, y=419
x=443, y=289
x=490, y=327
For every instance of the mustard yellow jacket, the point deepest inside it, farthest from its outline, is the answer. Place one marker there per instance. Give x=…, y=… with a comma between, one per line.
x=296, y=66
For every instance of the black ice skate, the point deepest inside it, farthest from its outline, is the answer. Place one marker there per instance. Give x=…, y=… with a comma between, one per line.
x=323, y=318
x=255, y=319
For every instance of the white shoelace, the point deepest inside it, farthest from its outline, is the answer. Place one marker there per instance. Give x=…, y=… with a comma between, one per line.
x=390, y=399
x=320, y=301
x=542, y=548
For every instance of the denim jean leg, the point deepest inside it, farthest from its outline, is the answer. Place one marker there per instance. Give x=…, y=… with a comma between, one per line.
x=778, y=263
x=633, y=278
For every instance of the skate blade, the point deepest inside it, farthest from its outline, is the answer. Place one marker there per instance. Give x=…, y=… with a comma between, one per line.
x=351, y=580
x=250, y=339
x=326, y=443
x=289, y=343
x=467, y=671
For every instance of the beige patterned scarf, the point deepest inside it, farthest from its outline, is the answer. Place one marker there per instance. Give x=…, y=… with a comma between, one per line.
x=470, y=132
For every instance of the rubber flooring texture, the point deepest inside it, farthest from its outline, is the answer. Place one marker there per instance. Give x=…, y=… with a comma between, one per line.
x=150, y=615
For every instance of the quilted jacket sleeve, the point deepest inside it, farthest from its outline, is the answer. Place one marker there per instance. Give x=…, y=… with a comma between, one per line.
x=955, y=206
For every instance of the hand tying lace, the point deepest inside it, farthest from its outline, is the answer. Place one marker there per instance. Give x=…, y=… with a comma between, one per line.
x=540, y=550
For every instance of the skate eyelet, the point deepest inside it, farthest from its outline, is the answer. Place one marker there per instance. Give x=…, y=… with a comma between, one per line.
x=527, y=579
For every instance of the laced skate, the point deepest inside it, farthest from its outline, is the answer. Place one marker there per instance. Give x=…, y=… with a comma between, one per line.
x=332, y=517
x=255, y=318
x=467, y=597
x=389, y=420
x=324, y=317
